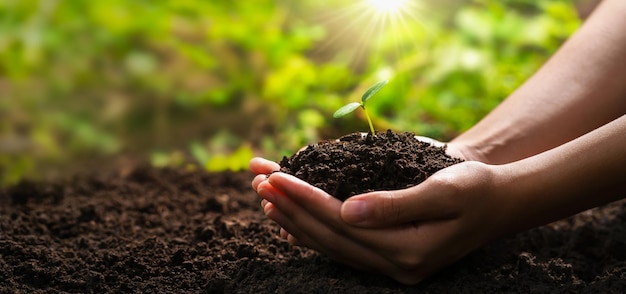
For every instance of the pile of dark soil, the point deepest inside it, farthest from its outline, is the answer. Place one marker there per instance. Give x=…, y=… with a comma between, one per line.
x=355, y=164
x=175, y=231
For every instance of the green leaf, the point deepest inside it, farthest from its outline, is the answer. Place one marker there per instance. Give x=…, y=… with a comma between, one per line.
x=373, y=90
x=346, y=109
x=200, y=153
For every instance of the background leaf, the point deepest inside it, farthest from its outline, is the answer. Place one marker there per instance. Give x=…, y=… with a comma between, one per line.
x=103, y=83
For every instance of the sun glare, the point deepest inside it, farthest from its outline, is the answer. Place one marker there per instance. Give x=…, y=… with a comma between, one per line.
x=371, y=27
x=388, y=6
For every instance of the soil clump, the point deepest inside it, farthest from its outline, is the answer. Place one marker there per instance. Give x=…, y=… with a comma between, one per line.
x=356, y=163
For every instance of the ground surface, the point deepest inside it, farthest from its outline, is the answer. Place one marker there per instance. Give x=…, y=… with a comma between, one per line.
x=171, y=231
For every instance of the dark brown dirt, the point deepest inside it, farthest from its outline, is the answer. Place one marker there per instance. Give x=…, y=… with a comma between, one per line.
x=355, y=164
x=170, y=231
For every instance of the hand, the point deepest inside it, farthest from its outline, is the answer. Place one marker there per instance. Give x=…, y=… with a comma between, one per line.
x=405, y=234
x=455, y=149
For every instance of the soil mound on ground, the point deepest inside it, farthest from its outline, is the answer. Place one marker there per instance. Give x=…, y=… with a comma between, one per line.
x=155, y=231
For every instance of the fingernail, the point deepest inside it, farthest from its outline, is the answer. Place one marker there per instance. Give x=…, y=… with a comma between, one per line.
x=355, y=211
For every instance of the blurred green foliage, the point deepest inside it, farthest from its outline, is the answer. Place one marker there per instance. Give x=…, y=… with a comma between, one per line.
x=178, y=81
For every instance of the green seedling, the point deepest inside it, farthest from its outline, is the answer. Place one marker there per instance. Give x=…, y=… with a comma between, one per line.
x=350, y=107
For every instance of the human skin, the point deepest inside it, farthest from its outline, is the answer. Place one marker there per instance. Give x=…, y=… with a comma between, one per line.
x=555, y=147
x=409, y=234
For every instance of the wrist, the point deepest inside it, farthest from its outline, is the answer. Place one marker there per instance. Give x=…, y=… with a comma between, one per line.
x=505, y=193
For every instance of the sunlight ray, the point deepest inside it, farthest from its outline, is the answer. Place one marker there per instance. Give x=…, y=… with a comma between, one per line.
x=364, y=27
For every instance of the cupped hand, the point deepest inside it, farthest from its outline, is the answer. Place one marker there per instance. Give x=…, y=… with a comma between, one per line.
x=454, y=149
x=405, y=234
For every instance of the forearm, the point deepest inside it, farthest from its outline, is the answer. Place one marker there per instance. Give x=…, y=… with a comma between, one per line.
x=579, y=89
x=581, y=174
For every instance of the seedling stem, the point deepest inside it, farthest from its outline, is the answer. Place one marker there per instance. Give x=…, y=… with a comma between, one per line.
x=350, y=107
x=369, y=120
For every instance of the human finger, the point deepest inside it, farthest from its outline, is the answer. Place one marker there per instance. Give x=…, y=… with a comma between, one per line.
x=282, y=219
x=289, y=237
x=257, y=180
x=283, y=233
x=259, y=165
x=316, y=201
x=398, y=251
x=387, y=208
x=441, y=196
x=311, y=231
x=313, y=201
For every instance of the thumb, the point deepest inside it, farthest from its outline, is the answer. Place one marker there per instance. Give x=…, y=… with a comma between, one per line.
x=387, y=208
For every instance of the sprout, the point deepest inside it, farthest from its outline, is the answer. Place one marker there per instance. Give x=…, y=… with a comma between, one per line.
x=354, y=105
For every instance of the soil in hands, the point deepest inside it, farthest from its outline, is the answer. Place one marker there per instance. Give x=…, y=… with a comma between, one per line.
x=356, y=164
